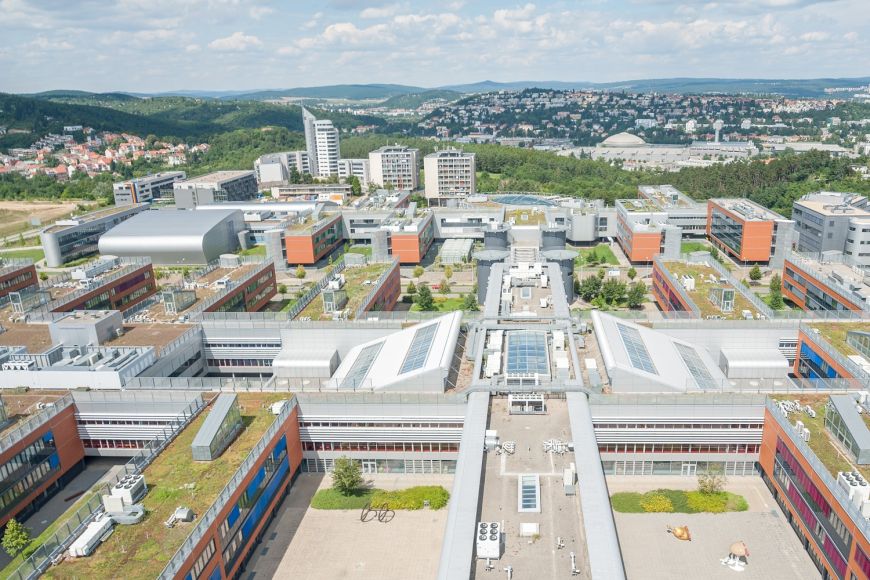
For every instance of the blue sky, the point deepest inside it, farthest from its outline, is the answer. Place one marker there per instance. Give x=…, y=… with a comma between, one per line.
x=157, y=45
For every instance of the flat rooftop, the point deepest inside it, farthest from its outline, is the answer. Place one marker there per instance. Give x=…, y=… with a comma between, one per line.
x=174, y=479
x=835, y=334
x=667, y=196
x=640, y=205
x=649, y=553
x=217, y=177
x=149, y=334
x=704, y=276
x=833, y=271
x=34, y=337
x=833, y=208
x=355, y=286
x=560, y=515
x=92, y=216
x=526, y=217
x=21, y=406
x=747, y=210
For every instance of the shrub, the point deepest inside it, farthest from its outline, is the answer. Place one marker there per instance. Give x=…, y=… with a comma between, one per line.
x=626, y=502
x=411, y=498
x=714, y=503
x=654, y=502
x=346, y=476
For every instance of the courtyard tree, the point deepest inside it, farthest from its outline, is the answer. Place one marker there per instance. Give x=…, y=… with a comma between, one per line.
x=632, y=273
x=755, y=273
x=469, y=303
x=15, y=538
x=424, y=298
x=636, y=295
x=300, y=272
x=346, y=476
x=775, y=299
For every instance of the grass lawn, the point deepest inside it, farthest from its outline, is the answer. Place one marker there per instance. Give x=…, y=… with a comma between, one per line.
x=766, y=299
x=355, y=287
x=701, y=294
x=412, y=498
x=820, y=441
x=677, y=501
x=602, y=253
x=36, y=254
x=443, y=304
x=80, y=261
x=255, y=251
x=689, y=247
x=364, y=250
x=174, y=479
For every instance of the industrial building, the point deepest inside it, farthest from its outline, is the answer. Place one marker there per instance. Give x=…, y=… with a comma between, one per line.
x=176, y=236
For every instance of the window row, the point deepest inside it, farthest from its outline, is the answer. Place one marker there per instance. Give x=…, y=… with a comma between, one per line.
x=402, y=425
x=385, y=447
x=692, y=426
x=678, y=448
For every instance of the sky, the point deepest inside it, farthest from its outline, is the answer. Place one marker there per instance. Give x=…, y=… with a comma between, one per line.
x=168, y=45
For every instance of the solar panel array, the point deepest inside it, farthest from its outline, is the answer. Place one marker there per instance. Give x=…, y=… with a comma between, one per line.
x=696, y=366
x=637, y=352
x=419, y=349
x=360, y=367
x=527, y=353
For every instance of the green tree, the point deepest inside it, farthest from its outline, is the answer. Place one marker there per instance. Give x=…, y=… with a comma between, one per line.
x=602, y=273
x=448, y=272
x=355, y=185
x=282, y=289
x=43, y=276
x=411, y=289
x=636, y=295
x=424, y=298
x=632, y=273
x=15, y=538
x=418, y=271
x=300, y=272
x=755, y=273
x=469, y=303
x=775, y=300
x=444, y=287
x=346, y=476
x=590, y=288
x=711, y=481
x=613, y=291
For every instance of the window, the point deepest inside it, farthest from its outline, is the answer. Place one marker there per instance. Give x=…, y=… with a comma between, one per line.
x=419, y=349
x=637, y=352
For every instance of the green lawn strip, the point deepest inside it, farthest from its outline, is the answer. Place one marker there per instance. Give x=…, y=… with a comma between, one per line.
x=411, y=498
x=683, y=502
x=254, y=251
x=602, y=252
x=443, y=304
x=364, y=250
x=35, y=254
x=689, y=247
x=39, y=540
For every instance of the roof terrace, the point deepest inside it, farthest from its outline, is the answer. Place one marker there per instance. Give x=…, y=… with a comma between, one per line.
x=747, y=210
x=174, y=479
x=707, y=279
x=358, y=284
x=835, y=333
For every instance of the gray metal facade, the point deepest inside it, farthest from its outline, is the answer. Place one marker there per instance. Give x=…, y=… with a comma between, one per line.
x=63, y=244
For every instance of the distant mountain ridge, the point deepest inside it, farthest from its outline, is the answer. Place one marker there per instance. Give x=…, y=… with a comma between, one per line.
x=383, y=91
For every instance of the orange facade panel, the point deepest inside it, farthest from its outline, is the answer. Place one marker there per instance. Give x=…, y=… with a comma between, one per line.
x=755, y=237
x=644, y=246
x=790, y=274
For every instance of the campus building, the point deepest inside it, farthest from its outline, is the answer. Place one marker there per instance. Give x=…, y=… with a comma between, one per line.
x=833, y=222
x=148, y=188
x=643, y=232
x=748, y=232
x=824, y=283
x=216, y=187
x=75, y=238
x=358, y=168
x=17, y=276
x=276, y=168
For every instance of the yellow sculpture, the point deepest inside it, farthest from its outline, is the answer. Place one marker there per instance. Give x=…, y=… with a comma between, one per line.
x=680, y=533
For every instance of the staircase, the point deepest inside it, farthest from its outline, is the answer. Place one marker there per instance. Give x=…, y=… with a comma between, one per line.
x=527, y=254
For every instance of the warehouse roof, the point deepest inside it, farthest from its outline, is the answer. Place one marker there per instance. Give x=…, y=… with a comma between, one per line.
x=171, y=222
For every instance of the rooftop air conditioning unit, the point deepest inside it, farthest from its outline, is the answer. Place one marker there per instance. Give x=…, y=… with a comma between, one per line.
x=488, y=540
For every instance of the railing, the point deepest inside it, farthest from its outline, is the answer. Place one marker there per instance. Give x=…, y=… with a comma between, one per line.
x=190, y=334
x=809, y=263
x=39, y=561
x=677, y=286
x=821, y=471
x=312, y=292
x=759, y=305
x=375, y=289
x=248, y=384
x=133, y=264
x=819, y=340
x=233, y=284
x=24, y=429
x=205, y=522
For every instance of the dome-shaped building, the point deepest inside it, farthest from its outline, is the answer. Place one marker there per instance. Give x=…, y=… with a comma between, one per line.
x=623, y=140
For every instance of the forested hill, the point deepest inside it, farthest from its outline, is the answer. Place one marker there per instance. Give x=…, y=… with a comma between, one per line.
x=166, y=117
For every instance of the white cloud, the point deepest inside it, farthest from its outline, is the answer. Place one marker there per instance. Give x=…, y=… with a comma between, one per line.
x=192, y=48
x=379, y=12
x=815, y=36
x=258, y=12
x=237, y=41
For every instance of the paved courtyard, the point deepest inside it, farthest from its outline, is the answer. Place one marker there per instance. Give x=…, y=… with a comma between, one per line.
x=650, y=553
x=328, y=544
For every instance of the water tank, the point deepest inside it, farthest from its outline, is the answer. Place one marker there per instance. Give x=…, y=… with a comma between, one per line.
x=380, y=246
x=485, y=260
x=552, y=238
x=496, y=238
x=565, y=260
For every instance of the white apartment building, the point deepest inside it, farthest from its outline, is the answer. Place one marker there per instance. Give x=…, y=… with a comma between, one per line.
x=308, y=121
x=355, y=167
x=394, y=166
x=326, y=138
x=449, y=173
x=276, y=168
